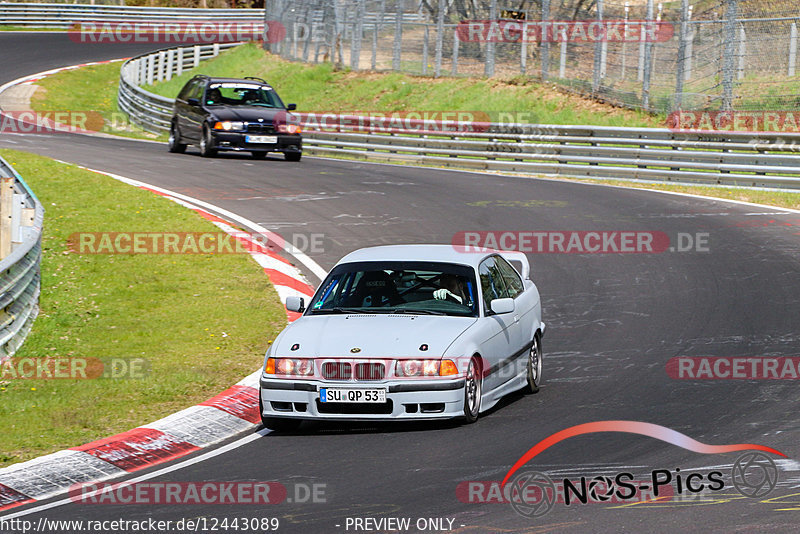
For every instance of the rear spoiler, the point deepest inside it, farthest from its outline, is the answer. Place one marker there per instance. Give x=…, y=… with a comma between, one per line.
x=519, y=260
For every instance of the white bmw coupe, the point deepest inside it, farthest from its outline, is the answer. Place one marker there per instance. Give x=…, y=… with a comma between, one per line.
x=407, y=332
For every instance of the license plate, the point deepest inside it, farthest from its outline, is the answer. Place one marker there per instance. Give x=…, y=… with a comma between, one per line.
x=352, y=395
x=261, y=139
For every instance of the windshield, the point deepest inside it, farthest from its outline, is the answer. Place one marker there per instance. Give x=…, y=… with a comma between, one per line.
x=242, y=94
x=424, y=288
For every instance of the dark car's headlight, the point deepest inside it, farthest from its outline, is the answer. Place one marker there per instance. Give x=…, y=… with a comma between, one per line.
x=289, y=128
x=229, y=125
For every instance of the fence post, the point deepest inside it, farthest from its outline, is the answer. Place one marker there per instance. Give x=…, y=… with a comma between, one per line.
x=742, y=52
x=792, y=49
x=149, y=69
x=196, y=60
x=678, y=103
x=425, y=37
x=170, y=62
x=545, y=33
x=439, y=38
x=642, y=46
x=648, y=61
x=378, y=27
x=729, y=50
x=142, y=78
x=523, y=49
x=562, y=62
x=358, y=35
x=488, y=68
x=598, y=52
x=160, y=66
x=398, y=35
x=456, y=42
x=179, y=62
x=689, y=55
x=625, y=40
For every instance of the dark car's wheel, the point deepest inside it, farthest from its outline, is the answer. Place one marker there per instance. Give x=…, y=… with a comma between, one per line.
x=472, y=392
x=535, y=365
x=277, y=424
x=207, y=149
x=292, y=156
x=175, y=144
x=258, y=155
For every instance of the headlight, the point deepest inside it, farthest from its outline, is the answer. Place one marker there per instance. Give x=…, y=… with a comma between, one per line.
x=425, y=368
x=289, y=366
x=229, y=125
x=289, y=128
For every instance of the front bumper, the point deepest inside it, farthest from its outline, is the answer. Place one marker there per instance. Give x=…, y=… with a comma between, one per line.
x=237, y=141
x=405, y=400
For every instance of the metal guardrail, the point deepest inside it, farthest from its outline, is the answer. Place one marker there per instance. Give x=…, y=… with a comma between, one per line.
x=65, y=15
x=733, y=158
x=20, y=279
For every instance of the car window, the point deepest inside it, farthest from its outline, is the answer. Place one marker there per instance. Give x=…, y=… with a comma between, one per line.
x=197, y=90
x=492, y=283
x=428, y=288
x=242, y=94
x=187, y=89
x=510, y=277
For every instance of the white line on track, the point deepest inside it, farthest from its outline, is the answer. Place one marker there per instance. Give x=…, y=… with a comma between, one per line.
x=168, y=469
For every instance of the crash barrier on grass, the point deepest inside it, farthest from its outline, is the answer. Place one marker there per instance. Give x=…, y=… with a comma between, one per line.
x=722, y=157
x=21, y=217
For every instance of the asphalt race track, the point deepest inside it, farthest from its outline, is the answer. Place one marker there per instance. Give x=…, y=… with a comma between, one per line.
x=613, y=321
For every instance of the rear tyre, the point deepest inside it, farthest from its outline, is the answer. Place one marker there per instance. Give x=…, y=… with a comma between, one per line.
x=292, y=156
x=472, y=392
x=175, y=144
x=207, y=149
x=258, y=155
x=277, y=424
x=535, y=365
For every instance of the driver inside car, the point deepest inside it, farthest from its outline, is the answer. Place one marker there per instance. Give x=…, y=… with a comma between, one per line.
x=452, y=288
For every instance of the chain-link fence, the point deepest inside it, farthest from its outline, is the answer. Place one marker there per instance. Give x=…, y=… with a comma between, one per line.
x=715, y=54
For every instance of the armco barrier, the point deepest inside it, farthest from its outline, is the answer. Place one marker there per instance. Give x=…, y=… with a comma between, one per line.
x=21, y=235
x=733, y=158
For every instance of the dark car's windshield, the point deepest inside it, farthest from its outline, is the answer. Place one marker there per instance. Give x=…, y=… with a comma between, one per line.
x=242, y=94
x=425, y=288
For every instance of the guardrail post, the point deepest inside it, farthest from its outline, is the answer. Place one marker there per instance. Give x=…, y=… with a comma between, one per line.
x=149, y=69
x=792, y=48
x=179, y=62
x=215, y=50
x=439, y=38
x=488, y=69
x=196, y=61
x=6, y=216
x=160, y=66
x=398, y=35
x=170, y=63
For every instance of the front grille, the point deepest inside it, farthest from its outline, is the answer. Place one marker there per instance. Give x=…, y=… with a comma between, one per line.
x=260, y=128
x=337, y=370
x=355, y=408
x=370, y=371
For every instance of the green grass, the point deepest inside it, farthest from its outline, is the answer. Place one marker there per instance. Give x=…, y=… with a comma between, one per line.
x=90, y=89
x=201, y=321
x=321, y=88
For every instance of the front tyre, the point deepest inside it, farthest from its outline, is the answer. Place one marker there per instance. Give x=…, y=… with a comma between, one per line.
x=207, y=149
x=292, y=156
x=535, y=365
x=472, y=392
x=175, y=145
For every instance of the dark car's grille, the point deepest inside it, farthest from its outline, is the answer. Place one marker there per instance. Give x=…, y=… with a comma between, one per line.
x=260, y=128
x=370, y=371
x=337, y=370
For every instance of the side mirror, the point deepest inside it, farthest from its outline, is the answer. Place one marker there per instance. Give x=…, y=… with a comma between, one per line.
x=500, y=306
x=297, y=304
x=193, y=102
x=291, y=107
